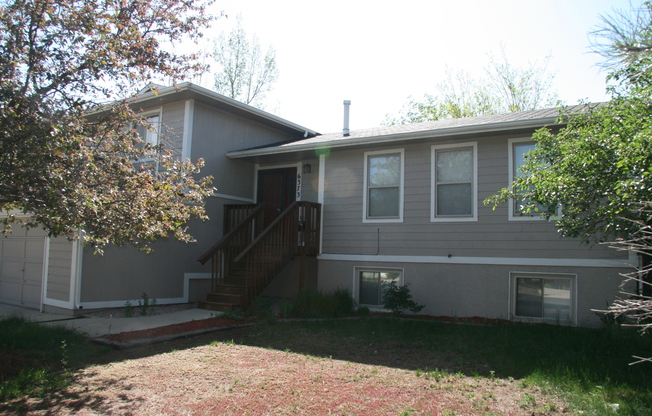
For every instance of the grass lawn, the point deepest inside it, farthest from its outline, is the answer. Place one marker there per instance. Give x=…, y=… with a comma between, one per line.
x=586, y=369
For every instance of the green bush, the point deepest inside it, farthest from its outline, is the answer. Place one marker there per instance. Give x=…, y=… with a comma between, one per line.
x=311, y=303
x=398, y=298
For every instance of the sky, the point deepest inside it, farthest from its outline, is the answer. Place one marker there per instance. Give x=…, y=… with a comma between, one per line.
x=378, y=53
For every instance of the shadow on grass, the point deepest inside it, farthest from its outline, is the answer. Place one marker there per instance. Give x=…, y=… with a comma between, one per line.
x=569, y=358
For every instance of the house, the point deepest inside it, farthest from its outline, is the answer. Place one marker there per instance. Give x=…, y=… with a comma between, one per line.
x=346, y=210
x=55, y=275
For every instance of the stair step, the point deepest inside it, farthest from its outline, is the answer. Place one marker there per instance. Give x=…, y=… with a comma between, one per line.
x=214, y=306
x=229, y=289
x=230, y=298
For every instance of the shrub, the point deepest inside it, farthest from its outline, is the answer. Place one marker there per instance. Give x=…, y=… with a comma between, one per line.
x=398, y=299
x=311, y=303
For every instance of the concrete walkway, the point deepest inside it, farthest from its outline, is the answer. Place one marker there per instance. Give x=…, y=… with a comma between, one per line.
x=96, y=327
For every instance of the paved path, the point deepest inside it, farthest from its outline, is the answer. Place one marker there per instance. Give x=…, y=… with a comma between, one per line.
x=96, y=327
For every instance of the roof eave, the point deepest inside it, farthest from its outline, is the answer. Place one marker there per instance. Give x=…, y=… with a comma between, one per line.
x=398, y=137
x=202, y=94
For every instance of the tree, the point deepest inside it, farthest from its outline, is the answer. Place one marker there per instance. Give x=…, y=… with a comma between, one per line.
x=505, y=88
x=76, y=168
x=598, y=168
x=244, y=73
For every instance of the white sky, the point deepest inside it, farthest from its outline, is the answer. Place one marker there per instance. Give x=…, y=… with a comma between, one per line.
x=376, y=53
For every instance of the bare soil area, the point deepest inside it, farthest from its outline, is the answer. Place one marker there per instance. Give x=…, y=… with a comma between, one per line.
x=226, y=373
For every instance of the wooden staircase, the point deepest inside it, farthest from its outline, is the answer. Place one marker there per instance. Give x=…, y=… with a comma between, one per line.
x=248, y=257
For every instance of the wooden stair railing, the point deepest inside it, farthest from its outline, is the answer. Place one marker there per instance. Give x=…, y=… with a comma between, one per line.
x=238, y=236
x=295, y=232
x=247, y=258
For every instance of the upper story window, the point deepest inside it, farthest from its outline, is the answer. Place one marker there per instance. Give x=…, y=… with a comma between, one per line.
x=150, y=132
x=383, y=181
x=454, y=182
x=518, y=149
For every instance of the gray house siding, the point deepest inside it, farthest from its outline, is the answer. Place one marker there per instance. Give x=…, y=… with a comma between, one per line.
x=469, y=290
x=456, y=268
x=492, y=235
x=124, y=273
x=59, y=272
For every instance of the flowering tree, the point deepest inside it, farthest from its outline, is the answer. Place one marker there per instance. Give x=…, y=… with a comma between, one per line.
x=70, y=164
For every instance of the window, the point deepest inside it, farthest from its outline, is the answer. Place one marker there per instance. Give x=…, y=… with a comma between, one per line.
x=150, y=134
x=383, y=176
x=371, y=285
x=517, y=150
x=454, y=173
x=543, y=297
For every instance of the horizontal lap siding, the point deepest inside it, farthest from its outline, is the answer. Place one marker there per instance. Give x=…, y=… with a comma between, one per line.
x=491, y=236
x=59, y=269
x=173, y=120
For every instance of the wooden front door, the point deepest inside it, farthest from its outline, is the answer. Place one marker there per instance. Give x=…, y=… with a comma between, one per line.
x=277, y=189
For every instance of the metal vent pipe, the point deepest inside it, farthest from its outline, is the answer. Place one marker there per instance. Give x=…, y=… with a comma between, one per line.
x=345, y=130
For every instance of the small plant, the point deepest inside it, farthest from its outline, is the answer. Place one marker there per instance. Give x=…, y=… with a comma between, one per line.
x=263, y=306
x=129, y=310
x=285, y=306
x=362, y=311
x=233, y=315
x=398, y=298
x=528, y=401
x=145, y=304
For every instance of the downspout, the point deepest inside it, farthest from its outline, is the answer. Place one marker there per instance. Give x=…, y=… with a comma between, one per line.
x=320, y=198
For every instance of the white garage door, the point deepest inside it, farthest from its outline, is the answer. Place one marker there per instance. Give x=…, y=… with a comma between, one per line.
x=21, y=267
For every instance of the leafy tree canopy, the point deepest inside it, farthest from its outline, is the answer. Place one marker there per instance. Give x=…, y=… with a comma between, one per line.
x=598, y=168
x=244, y=73
x=93, y=176
x=505, y=88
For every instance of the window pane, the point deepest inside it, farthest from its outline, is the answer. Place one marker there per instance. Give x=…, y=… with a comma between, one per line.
x=519, y=157
x=151, y=134
x=529, y=294
x=454, y=199
x=369, y=288
x=384, y=170
x=383, y=202
x=556, y=299
x=372, y=286
x=385, y=278
x=454, y=165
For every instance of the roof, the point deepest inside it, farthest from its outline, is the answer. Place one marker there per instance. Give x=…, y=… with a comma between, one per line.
x=524, y=120
x=154, y=95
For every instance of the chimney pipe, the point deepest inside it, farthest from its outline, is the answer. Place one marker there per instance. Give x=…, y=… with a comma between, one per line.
x=345, y=130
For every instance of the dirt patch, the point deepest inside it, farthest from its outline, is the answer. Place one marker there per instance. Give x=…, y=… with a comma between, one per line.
x=228, y=378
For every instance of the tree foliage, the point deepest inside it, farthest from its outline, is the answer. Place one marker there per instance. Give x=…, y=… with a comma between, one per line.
x=598, y=168
x=91, y=175
x=244, y=73
x=505, y=88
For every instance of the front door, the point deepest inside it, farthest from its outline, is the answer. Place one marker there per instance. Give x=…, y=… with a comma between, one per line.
x=276, y=191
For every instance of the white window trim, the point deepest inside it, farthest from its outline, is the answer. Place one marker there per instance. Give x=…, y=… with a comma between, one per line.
x=512, y=297
x=145, y=115
x=356, y=282
x=365, y=190
x=433, y=183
